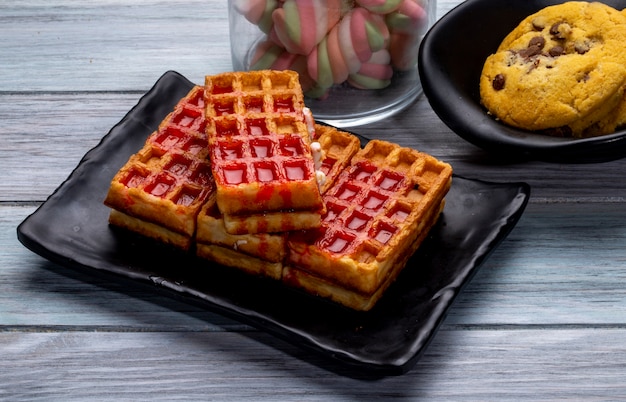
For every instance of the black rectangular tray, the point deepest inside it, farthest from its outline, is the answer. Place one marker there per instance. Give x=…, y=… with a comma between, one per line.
x=71, y=228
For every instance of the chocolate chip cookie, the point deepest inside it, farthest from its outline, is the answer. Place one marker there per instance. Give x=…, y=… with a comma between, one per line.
x=562, y=70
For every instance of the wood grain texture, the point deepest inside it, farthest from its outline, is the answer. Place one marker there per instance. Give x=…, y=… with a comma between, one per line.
x=487, y=365
x=543, y=319
x=109, y=45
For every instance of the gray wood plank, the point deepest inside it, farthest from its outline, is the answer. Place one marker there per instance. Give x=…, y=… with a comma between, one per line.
x=109, y=45
x=562, y=264
x=480, y=365
x=37, y=154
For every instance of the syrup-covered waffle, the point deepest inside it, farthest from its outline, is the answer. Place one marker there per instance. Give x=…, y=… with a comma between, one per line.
x=263, y=253
x=259, y=136
x=338, y=147
x=162, y=187
x=378, y=212
x=349, y=297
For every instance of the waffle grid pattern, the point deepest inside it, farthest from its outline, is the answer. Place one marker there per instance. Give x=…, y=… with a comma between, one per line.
x=259, y=141
x=169, y=179
x=372, y=208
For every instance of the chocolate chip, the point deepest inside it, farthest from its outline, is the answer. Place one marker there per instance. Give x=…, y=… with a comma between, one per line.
x=556, y=51
x=498, y=82
x=534, y=47
x=560, y=30
x=528, y=52
x=537, y=41
x=581, y=48
x=554, y=29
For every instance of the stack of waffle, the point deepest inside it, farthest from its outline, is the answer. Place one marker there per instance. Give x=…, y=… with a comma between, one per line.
x=264, y=253
x=241, y=175
x=260, y=145
x=379, y=211
x=161, y=188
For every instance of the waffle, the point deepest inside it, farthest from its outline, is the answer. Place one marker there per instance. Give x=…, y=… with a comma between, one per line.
x=354, y=299
x=151, y=230
x=162, y=187
x=263, y=253
x=338, y=148
x=378, y=212
x=258, y=253
x=259, y=139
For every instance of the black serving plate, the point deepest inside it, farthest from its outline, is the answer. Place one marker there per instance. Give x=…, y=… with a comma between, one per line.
x=71, y=229
x=451, y=58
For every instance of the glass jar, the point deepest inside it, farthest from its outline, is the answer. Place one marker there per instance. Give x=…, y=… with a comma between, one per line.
x=357, y=59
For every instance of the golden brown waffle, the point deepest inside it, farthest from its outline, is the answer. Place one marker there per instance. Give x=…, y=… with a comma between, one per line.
x=166, y=183
x=259, y=253
x=338, y=148
x=151, y=230
x=259, y=138
x=378, y=211
x=263, y=253
x=348, y=297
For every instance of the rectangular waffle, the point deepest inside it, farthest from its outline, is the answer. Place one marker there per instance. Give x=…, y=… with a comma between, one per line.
x=149, y=229
x=162, y=187
x=356, y=300
x=259, y=136
x=378, y=212
x=263, y=253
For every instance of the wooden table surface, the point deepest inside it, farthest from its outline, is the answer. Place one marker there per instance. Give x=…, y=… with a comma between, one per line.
x=544, y=318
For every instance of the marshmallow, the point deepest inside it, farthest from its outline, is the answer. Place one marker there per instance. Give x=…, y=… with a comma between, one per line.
x=368, y=33
x=376, y=73
x=409, y=18
x=348, y=51
x=269, y=56
x=300, y=25
x=338, y=65
x=258, y=12
x=338, y=55
x=330, y=42
x=318, y=65
x=379, y=6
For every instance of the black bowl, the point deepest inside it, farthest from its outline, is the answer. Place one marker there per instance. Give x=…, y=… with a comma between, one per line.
x=451, y=58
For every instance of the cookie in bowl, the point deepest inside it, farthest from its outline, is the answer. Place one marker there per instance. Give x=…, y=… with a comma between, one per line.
x=561, y=71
